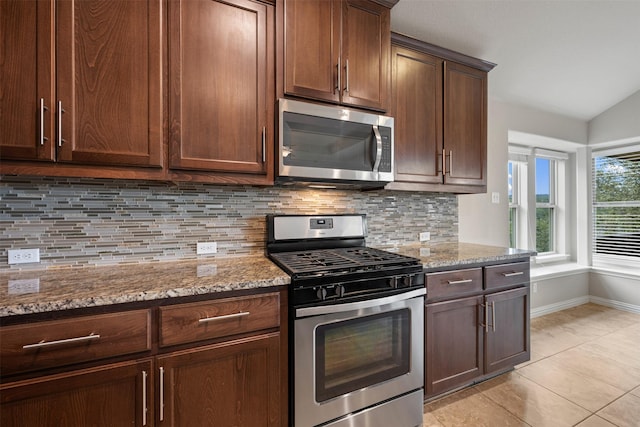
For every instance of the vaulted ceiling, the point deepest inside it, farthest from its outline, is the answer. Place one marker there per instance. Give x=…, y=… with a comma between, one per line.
x=571, y=57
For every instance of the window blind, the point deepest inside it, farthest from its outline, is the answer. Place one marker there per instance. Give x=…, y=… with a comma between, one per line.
x=616, y=203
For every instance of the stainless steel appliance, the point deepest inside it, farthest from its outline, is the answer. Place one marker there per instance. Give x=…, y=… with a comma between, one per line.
x=332, y=144
x=357, y=319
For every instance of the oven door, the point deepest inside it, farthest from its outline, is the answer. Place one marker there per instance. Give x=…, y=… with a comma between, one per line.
x=350, y=357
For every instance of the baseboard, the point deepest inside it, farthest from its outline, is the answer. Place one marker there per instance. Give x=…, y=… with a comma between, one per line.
x=558, y=306
x=615, y=304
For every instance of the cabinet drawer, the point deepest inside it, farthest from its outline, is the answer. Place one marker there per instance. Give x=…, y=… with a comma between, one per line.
x=187, y=323
x=506, y=275
x=453, y=283
x=64, y=342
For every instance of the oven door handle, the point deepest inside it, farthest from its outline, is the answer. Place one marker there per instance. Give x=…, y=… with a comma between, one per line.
x=359, y=305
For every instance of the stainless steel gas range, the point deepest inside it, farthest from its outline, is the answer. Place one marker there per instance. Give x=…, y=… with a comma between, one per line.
x=357, y=317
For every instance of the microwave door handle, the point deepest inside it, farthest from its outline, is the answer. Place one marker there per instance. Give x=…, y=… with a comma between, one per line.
x=376, y=163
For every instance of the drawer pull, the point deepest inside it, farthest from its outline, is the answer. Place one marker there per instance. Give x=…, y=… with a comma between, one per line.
x=515, y=273
x=161, y=393
x=459, y=282
x=226, y=316
x=43, y=343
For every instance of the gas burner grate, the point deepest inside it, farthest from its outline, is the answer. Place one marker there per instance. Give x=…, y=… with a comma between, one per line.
x=338, y=260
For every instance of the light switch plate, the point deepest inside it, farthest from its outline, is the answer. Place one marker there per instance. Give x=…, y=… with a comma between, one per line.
x=495, y=197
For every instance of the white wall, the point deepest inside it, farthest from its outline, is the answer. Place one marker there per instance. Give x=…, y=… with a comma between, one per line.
x=557, y=293
x=615, y=289
x=481, y=221
x=620, y=122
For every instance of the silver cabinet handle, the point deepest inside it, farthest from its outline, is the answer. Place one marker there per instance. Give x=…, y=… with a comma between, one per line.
x=226, y=316
x=459, y=282
x=515, y=273
x=60, y=111
x=43, y=108
x=376, y=163
x=43, y=343
x=264, y=144
x=486, y=317
x=493, y=315
x=346, y=87
x=161, y=393
x=339, y=72
x=144, y=398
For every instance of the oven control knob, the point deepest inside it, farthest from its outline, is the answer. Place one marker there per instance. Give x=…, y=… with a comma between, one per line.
x=322, y=294
x=393, y=282
x=406, y=281
x=339, y=291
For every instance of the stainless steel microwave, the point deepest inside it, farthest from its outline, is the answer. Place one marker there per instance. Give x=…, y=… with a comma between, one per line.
x=333, y=145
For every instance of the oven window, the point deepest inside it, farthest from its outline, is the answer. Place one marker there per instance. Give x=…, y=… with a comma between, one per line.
x=361, y=352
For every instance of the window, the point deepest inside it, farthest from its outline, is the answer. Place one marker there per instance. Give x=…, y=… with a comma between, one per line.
x=545, y=205
x=537, y=200
x=616, y=205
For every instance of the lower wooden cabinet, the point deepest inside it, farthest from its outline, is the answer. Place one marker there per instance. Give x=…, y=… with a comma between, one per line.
x=229, y=374
x=228, y=384
x=113, y=395
x=454, y=344
x=507, y=341
x=470, y=338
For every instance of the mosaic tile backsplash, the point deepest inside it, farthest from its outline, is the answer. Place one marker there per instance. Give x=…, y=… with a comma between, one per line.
x=78, y=222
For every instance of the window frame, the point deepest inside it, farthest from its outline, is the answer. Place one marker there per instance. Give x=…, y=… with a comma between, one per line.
x=602, y=260
x=523, y=160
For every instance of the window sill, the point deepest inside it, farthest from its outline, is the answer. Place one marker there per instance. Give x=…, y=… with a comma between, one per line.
x=557, y=270
x=551, y=259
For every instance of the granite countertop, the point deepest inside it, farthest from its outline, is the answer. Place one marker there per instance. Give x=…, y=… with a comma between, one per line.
x=457, y=254
x=29, y=292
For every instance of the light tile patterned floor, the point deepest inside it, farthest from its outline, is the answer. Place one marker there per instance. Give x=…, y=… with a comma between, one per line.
x=584, y=371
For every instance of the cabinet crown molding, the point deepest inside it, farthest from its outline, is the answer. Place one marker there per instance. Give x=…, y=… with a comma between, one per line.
x=441, y=52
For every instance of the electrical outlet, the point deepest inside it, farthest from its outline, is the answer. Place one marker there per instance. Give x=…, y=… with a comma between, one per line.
x=23, y=256
x=534, y=287
x=425, y=236
x=205, y=248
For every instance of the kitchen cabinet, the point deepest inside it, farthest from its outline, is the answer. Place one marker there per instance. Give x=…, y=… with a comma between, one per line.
x=178, y=364
x=440, y=106
x=337, y=51
x=476, y=324
x=234, y=383
x=112, y=395
x=83, y=83
x=221, y=89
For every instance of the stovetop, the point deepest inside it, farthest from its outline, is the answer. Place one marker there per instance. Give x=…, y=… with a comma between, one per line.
x=338, y=261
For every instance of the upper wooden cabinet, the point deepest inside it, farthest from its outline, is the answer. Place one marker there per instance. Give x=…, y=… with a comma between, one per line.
x=440, y=109
x=222, y=90
x=26, y=86
x=337, y=51
x=106, y=108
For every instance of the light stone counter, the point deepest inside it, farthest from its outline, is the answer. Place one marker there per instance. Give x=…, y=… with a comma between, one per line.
x=41, y=291
x=456, y=254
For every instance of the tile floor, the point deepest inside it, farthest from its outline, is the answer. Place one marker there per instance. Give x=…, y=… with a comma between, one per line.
x=584, y=371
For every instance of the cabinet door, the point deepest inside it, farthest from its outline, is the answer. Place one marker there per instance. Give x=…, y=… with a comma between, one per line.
x=115, y=395
x=109, y=82
x=465, y=125
x=453, y=344
x=26, y=92
x=312, y=48
x=366, y=50
x=234, y=383
x=417, y=108
x=221, y=86
x=507, y=342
